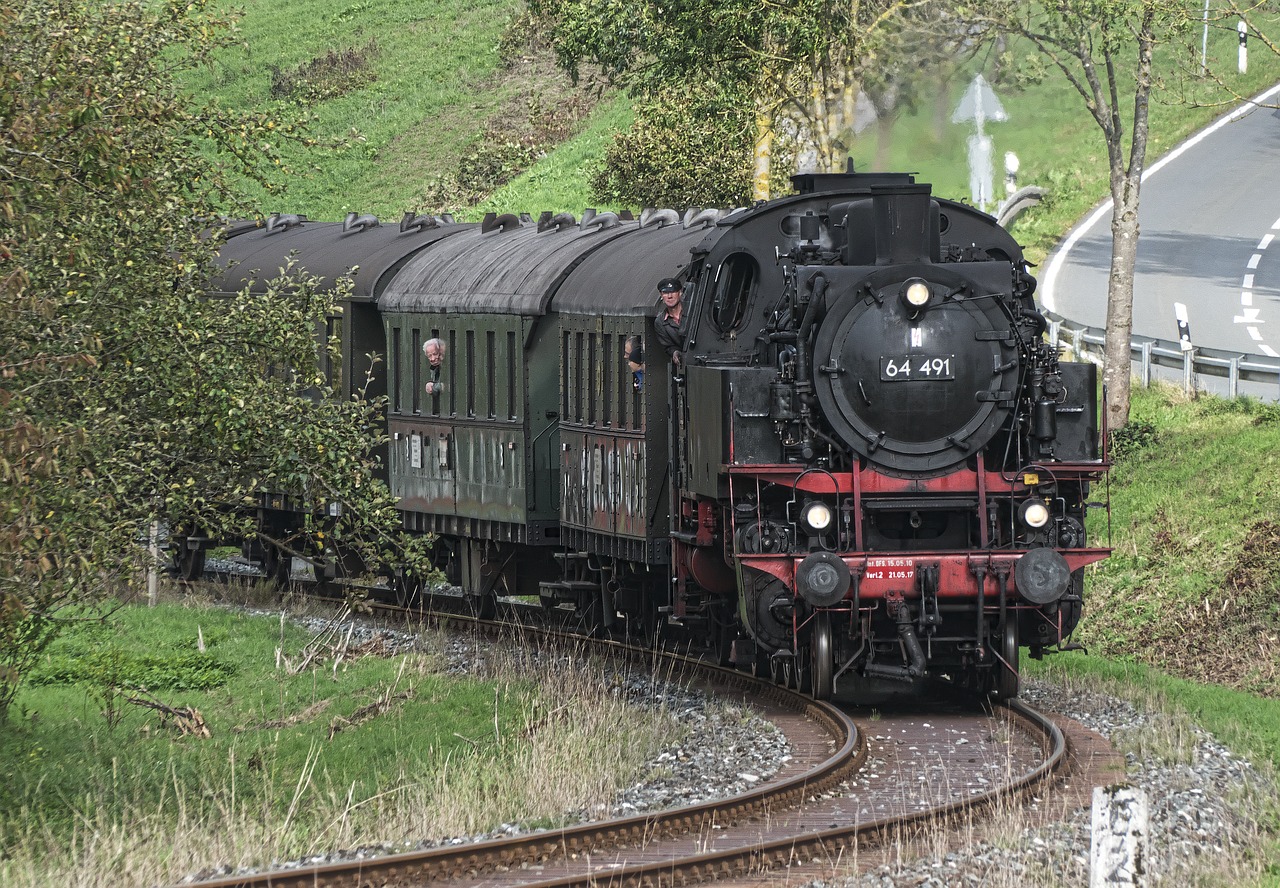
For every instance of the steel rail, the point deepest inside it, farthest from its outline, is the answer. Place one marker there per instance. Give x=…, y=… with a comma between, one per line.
x=829, y=843
x=451, y=863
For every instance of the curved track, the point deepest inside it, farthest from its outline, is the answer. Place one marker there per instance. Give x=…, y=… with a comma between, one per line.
x=847, y=786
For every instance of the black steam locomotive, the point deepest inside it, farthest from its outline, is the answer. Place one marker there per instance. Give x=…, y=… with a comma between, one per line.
x=868, y=468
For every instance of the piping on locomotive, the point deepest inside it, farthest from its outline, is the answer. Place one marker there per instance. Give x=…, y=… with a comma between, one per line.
x=880, y=461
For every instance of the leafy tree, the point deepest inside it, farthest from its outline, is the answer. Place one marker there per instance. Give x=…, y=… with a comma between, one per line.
x=127, y=396
x=684, y=150
x=777, y=58
x=1107, y=50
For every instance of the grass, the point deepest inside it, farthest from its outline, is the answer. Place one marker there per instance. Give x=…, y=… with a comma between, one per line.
x=432, y=63
x=1247, y=724
x=435, y=76
x=367, y=749
x=1191, y=586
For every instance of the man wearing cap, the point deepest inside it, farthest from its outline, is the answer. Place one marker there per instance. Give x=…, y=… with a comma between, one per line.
x=669, y=325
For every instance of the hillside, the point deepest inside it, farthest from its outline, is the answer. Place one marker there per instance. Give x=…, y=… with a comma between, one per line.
x=417, y=91
x=408, y=90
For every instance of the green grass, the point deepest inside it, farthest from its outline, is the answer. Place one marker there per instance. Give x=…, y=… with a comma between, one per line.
x=58, y=736
x=1192, y=584
x=433, y=62
x=438, y=79
x=101, y=791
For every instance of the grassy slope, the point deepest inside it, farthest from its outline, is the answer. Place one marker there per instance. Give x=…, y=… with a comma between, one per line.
x=433, y=61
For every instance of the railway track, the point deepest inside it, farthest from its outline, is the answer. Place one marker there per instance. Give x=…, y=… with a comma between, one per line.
x=856, y=780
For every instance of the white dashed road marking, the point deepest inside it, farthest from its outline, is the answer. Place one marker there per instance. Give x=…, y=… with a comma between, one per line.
x=1250, y=315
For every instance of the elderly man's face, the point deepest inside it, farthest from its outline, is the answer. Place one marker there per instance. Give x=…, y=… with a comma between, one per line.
x=435, y=355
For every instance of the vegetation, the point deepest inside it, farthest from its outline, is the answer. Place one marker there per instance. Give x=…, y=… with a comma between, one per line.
x=120, y=386
x=1191, y=585
x=292, y=741
x=130, y=399
x=767, y=70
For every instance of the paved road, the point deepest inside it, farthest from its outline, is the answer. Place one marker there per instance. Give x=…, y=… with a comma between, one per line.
x=1210, y=218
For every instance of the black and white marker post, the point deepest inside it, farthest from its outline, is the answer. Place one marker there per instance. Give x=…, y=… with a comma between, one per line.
x=1188, y=350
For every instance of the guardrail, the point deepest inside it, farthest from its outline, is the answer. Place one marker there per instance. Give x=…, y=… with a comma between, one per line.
x=1086, y=343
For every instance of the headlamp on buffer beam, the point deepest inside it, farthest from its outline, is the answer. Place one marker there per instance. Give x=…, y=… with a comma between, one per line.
x=1034, y=513
x=816, y=516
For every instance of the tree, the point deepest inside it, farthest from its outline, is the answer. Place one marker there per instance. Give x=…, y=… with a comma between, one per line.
x=127, y=395
x=1106, y=49
x=682, y=150
x=777, y=57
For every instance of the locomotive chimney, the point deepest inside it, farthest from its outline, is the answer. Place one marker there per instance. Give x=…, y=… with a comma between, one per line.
x=905, y=224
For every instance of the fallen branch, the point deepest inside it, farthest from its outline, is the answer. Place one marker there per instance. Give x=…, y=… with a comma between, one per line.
x=297, y=718
x=187, y=719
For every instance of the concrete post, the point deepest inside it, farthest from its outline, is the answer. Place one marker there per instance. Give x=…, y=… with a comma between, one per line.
x=1118, y=851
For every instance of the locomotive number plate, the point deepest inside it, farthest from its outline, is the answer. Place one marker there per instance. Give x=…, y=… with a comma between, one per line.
x=917, y=367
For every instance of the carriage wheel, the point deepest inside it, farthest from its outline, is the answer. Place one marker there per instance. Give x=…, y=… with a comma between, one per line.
x=408, y=590
x=188, y=564
x=276, y=565
x=483, y=606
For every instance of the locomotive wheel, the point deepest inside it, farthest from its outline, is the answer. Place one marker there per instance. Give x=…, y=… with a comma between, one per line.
x=1006, y=670
x=821, y=657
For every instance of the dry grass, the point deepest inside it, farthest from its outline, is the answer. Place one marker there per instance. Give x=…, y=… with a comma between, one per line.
x=580, y=742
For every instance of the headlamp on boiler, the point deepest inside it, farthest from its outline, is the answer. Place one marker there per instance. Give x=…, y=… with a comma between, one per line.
x=915, y=294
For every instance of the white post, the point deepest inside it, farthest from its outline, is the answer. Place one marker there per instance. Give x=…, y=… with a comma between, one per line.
x=1243, y=30
x=1010, y=173
x=1204, y=42
x=153, y=565
x=1118, y=851
x=1184, y=326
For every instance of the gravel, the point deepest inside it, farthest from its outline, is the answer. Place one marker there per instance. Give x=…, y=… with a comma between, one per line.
x=1201, y=804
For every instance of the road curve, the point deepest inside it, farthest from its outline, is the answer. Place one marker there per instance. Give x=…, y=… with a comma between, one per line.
x=1210, y=239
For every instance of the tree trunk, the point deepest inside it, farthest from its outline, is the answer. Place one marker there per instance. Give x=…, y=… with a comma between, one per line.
x=763, y=156
x=1117, y=371
x=1126, y=184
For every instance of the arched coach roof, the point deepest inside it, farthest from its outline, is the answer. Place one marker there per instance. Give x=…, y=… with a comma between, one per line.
x=622, y=277
x=324, y=249
x=512, y=268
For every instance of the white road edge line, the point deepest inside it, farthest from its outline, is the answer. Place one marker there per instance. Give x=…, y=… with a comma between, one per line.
x=1059, y=257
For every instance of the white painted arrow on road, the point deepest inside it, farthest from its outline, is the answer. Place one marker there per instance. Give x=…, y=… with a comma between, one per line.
x=1250, y=316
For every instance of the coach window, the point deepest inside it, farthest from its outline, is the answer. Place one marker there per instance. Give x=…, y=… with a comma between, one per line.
x=418, y=358
x=735, y=282
x=451, y=358
x=491, y=372
x=577, y=377
x=512, y=357
x=398, y=369
x=471, y=373
x=332, y=341
x=592, y=382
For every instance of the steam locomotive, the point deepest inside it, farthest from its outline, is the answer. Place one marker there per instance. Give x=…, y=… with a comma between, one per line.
x=867, y=470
